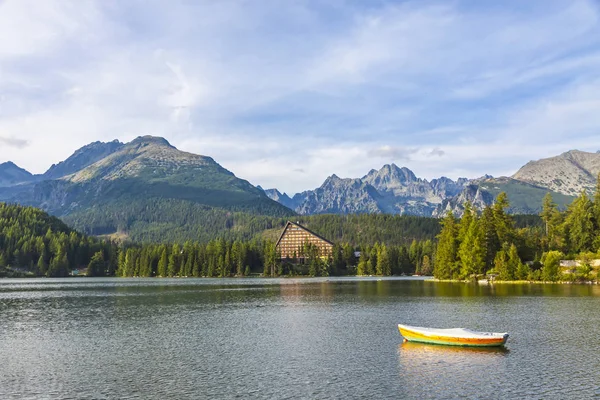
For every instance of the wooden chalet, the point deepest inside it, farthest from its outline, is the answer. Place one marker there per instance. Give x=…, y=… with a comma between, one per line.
x=293, y=238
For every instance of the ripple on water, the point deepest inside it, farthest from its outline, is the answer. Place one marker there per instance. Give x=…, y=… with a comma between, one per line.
x=156, y=339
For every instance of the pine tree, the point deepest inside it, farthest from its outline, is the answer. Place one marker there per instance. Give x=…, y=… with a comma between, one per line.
x=97, y=265
x=579, y=224
x=173, y=267
x=501, y=265
x=465, y=221
x=470, y=251
x=161, y=269
x=596, y=212
x=445, y=261
x=514, y=263
x=490, y=242
x=405, y=266
x=59, y=266
x=502, y=221
x=337, y=260
x=551, y=265
x=548, y=209
x=361, y=269
x=426, y=268
x=42, y=267
x=384, y=266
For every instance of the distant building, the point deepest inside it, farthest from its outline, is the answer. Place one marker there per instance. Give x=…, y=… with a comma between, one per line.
x=293, y=238
x=570, y=266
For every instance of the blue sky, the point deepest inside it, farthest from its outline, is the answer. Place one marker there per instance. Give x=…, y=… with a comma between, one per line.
x=286, y=93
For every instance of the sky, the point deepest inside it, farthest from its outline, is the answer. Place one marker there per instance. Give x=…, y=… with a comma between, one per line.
x=286, y=93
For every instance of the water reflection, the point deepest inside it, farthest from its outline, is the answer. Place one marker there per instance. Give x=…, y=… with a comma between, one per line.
x=425, y=350
x=291, y=338
x=435, y=371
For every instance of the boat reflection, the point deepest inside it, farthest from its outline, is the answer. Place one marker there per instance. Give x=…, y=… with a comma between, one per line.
x=425, y=350
x=442, y=368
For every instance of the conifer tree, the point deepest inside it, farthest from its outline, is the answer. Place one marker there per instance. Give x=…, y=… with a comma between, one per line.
x=515, y=264
x=465, y=221
x=445, y=261
x=502, y=221
x=384, y=266
x=173, y=267
x=161, y=269
x=596, y=212
x=42, y=267
x=579, y=224
x=97, y=265
x=491, y=244
x=501, y=265
x=426, y=268
x=361, y=269
x=551, y=265
x=470, y=251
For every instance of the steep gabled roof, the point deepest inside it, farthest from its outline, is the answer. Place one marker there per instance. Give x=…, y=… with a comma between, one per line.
x=303, y=228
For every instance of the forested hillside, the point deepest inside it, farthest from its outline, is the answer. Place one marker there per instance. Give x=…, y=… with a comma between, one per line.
x=32, y=242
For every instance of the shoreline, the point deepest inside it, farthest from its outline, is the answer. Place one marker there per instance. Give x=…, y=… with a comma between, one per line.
x=520, y=282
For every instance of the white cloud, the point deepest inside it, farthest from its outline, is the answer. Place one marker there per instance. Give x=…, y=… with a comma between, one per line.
x=287, y=94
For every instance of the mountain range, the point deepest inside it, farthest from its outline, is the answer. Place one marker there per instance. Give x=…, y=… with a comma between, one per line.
x=397, y=190
x=148, y=190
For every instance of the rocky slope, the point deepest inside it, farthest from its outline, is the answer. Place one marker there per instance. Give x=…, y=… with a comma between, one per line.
x=391, y=189
x=82, y=158
x=340, y=196
x=569, y=173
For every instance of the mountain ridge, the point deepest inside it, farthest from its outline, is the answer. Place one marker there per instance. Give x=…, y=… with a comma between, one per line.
x=568, y=173
x=400, y=191
x=105, y=188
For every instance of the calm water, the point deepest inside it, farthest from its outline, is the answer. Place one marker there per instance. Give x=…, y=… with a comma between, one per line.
x=306, y=338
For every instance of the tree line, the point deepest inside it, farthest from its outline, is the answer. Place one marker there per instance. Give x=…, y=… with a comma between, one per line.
x=34, y=243
x=490, y=243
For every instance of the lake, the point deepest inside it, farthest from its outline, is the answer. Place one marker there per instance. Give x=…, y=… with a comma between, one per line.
x=291, y=338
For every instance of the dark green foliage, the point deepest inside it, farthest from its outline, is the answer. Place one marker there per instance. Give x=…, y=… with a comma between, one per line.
x=169, y=220
x=160, y=220
x=34, y=243
x=500, y=242
x=447, y=249
x=97, y=265
x=363, y=229
x=217, y=258
x=551, y=268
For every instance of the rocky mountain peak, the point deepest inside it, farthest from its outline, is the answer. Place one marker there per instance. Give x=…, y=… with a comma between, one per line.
x=11, y=174
x=150, y=140
x=147, y=156
x=82, y=158
x=390, y=176
x=391, y=189
x=568, y=173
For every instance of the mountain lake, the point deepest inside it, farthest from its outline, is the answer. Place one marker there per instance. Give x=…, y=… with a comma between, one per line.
x=308, y=338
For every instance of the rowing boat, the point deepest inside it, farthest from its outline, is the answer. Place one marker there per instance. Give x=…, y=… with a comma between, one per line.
x=452, y=337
